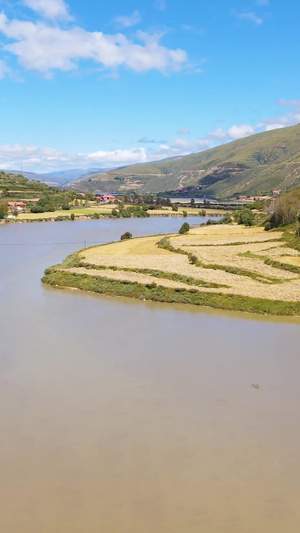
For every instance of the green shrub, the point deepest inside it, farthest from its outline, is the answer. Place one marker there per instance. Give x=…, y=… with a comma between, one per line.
x=184, y=228
x=126, y=235
x=226, y=219
x=37, y=209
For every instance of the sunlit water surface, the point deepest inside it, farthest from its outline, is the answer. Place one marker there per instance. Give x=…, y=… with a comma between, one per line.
x=119, y=416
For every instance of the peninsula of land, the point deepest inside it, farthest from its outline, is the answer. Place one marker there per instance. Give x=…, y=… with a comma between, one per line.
x=228, y=267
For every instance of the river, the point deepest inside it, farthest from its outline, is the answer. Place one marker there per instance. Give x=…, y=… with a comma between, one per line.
x=120, y=416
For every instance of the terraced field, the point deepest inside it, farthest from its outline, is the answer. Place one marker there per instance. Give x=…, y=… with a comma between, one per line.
x=229, y=267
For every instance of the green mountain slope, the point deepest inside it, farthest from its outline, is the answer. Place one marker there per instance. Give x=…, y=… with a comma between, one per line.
x=16, y=186
x=253, y=165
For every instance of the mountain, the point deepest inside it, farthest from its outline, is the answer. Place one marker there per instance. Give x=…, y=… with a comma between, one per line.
x=63, y=177
x=15, y=186
x=29, y=175
x=253, y=165
x=58, y=178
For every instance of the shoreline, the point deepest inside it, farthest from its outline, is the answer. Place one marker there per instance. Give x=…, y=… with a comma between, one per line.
x=66, y=218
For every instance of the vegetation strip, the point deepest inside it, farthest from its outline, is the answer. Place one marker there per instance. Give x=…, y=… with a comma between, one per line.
x=61, y=278
x=238, y=243
x=173, y=276
x=271, y=262
x=165, y=244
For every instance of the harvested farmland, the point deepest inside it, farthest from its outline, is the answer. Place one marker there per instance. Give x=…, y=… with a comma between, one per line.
x=226, y=267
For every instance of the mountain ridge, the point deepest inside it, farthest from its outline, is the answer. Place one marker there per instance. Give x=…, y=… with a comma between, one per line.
x=255, y=164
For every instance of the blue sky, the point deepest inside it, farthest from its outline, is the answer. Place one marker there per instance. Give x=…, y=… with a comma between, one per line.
x=98, y=84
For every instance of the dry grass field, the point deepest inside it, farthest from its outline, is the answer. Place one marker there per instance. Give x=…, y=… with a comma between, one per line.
x=216, y=248
x=228, y=267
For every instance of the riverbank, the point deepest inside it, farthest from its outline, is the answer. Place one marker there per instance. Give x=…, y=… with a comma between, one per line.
x=224, y=267
x=105, y=211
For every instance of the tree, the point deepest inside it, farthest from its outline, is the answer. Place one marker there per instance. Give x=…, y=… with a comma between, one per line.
x=175, y=208
x=184, y=213
x=3, y=209
x=184, y=228
x=244, y=216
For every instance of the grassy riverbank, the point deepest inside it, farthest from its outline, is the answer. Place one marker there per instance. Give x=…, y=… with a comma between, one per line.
x=224, y=267
x=105, y=211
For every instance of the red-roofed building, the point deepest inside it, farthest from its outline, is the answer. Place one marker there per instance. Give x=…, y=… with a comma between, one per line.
x=16, y=205
x=106, y=198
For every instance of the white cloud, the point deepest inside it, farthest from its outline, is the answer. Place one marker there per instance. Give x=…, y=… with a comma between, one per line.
x=161, y=5
x=52, y=9
x=274, y=126
x=233, y=133
x=238, y=132
x=290, y=119
x=43, y=159
x=289, y=103
x=120, y=157
x=45, y=48
x=252, y=17
x=217, y=134
x=130, y=20
x=183, y=131
x=35, y=158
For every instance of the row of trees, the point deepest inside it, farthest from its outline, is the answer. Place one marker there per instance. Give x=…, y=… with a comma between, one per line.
x=149, y=199
x=139, y=211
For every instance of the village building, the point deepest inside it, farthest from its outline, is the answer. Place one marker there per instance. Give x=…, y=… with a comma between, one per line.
x=106, y=198
x=16, y=206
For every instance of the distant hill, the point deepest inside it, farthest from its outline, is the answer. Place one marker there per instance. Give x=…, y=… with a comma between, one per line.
x=18, y=187
x=63, y=177
x=58, y=178
x=253, y=165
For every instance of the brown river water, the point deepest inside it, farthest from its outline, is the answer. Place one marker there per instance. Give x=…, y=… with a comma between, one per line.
x=120, y=416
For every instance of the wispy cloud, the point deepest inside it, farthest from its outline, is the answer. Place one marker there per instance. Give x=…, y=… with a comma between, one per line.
x=146, y=140
x=251, y=17
x=128, y=21
x=262, y=2
x=183, y=131
x=52, y=9
x=193, y=29
x=289, y=103
x=290, y=119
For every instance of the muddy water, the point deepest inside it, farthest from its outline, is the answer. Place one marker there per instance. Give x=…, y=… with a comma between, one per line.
x=128, y=417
